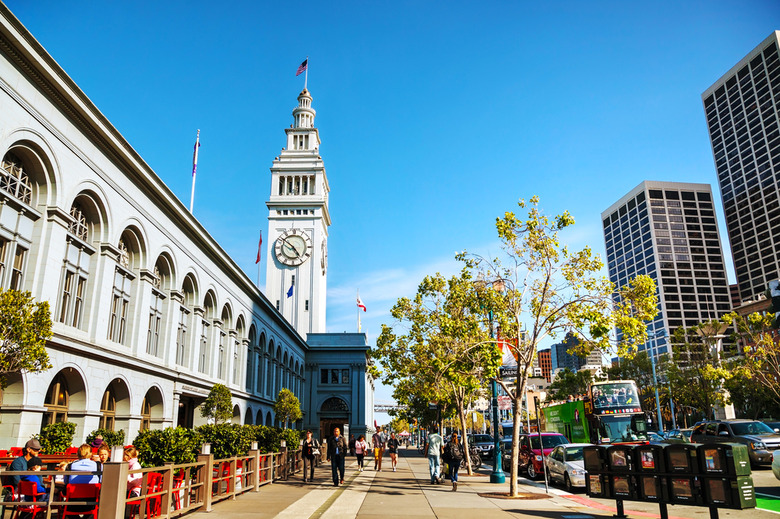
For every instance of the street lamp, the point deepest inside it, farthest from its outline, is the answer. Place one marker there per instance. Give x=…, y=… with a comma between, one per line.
x=497, y=476
x=655, y=378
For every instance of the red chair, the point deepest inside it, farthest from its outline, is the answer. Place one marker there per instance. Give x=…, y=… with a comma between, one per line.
x=30, y=489
x=81, y=492
x=70, y=451
x=4, y=453
x=16, y=452
x=154, y=483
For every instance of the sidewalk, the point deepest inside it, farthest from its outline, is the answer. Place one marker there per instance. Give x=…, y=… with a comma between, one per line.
x=408, y=493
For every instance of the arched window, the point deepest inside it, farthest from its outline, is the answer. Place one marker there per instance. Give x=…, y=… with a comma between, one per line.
x=77, y=262
x=188, y=295
x=56, y=403
x=146, y=414
x=129, y=250
x=14, y=180
x=78, y=226
x=159, y=282
x=108, y=409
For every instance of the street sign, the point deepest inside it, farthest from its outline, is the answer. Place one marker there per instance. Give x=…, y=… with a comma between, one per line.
x=507, y=372
x=433, y=405
x=504, y=402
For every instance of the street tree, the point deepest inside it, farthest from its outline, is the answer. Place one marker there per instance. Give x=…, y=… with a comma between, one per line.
x=399, y=425
x=24, y=328
x=568, y=383
x=761, y=349
x=543, y=289
x=638, y=368
x=446, y=349
x=287, y=407
x=218, y=406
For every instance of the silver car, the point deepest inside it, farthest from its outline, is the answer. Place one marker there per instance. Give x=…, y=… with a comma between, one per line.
x=565, y=464
x=776, y=463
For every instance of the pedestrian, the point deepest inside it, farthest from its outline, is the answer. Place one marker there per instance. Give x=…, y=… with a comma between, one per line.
x=392, y=449
x=352, y=444
x=378, y=442
x=311, y=448
x=453, y=455
x=433, y=449
x=31, y=449
x=337, y=449
x=360, y=451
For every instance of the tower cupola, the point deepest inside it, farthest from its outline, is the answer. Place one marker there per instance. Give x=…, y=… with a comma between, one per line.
x=304, y=114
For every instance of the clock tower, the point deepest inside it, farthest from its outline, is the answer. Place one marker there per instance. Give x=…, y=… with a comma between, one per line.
x=298, y=221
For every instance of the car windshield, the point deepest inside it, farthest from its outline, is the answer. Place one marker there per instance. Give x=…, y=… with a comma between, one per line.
x=482, y=438
x=574, y=454
x=618, y=429
x=741, y=428
x=687, y=433
x=549, y=441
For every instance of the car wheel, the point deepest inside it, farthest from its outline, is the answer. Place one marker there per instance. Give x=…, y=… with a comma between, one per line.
x=531, y=471
x=567, y=483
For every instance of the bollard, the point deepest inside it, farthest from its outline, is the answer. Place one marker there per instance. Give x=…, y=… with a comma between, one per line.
x=255, y=481
x=113, y=490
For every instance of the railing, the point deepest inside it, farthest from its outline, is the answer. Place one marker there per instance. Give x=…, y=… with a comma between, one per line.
x=173, y=490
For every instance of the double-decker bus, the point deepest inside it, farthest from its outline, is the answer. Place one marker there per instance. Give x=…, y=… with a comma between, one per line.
x=610, y=413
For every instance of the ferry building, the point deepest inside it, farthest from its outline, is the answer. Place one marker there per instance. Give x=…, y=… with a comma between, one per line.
x=148, y=310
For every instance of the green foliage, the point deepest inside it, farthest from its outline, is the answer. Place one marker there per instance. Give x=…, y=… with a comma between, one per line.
x=539, y=289
x=218, y=405
x=569, y=384
x=287, y=407
x=761, y=351
x=639, y=369
x=293, y=438
x=399, y=425
x=227, y=439
x=56, y=437
x=24, y=328
x=110, y=438
x=177, y=445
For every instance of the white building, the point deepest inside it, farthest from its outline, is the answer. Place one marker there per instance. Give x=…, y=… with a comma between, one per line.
x=149, y=311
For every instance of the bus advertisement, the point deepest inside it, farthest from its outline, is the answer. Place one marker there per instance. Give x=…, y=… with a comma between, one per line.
x=610, y=413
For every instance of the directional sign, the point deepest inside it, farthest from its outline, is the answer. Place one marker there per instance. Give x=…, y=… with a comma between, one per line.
x=504, y=402
x=509, y=371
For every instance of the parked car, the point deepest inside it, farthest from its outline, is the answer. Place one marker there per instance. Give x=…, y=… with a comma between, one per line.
x=773, y=424
x=760, y=439
x=656, y=436
x=565, y=464
x=679, y=436
x=532, y=453
x=776, y=463
x=483, y=443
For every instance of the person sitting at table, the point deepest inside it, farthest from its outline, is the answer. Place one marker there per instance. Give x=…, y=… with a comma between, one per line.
x=102, y=455
x=133, y=480
x=84, y=463
x=35, y=464
x=31, y=449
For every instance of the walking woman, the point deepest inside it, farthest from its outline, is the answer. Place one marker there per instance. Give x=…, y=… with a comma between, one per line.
x=360, y=451
x=311, y=448
x=454, y=454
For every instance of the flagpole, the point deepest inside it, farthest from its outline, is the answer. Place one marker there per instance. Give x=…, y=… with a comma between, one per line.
x=194, y=169
x=306, y=75
x=358, y=310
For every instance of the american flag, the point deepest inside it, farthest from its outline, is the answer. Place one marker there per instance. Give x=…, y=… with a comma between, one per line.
x=303, y=66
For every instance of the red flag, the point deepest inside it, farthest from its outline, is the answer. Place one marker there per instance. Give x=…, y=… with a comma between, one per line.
x=302, y=67
x=360, y=304
x=259, y=245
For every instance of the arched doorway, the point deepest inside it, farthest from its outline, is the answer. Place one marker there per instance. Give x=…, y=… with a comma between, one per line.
x=152, y=409
x=334, y=412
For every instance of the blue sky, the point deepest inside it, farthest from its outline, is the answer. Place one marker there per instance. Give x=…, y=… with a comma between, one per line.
x=435, y=117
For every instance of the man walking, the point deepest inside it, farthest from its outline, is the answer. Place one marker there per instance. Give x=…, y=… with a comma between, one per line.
x=433, y=448
x=337, y=449
x=378, y=441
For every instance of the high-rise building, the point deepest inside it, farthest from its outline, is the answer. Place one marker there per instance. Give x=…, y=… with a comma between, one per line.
x=545, y=363
x=298, y=221
x=742, y=110
x=668, y=231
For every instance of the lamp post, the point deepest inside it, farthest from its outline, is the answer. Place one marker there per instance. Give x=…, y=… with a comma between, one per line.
x=497, y=476
x=655, y=382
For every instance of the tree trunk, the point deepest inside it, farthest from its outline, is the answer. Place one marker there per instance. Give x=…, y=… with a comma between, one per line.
x=464, y=440
x=517, y=423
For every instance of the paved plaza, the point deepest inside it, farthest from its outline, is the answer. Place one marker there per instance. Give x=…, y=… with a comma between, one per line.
x=408, y=493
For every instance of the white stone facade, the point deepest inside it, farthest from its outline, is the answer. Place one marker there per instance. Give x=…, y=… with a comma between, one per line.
x=149, y=311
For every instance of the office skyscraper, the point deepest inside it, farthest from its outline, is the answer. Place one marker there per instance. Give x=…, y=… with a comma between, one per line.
x=668, y=231
x=742, y=118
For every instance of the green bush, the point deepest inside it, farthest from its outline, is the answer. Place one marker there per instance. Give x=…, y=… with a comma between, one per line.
x=170, y=445
x=269, y=438
x=226, y=439
x=110, y=438
x=56, y=437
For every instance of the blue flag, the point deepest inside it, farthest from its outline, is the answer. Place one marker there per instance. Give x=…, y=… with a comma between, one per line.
x=289, y=292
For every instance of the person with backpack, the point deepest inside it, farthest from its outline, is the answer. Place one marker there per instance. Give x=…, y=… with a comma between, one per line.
x=453, y=455
x=311, y=449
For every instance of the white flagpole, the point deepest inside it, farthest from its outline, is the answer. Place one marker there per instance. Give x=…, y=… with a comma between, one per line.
x=306, y=74
x=194, y=169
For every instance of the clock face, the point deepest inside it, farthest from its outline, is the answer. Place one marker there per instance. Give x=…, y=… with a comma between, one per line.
x=293, y=247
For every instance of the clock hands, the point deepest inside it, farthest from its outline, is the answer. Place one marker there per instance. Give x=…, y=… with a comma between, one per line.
x=291, y=246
